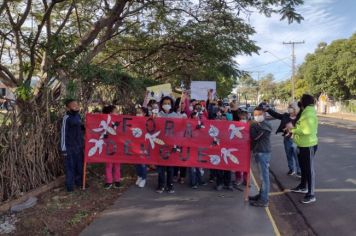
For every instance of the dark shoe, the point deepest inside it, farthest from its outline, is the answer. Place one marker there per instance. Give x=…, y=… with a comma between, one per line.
x=230, y=188
x=259, y=203
x=203, y=184
x=308, y=199
x=107, y=186
x=181, y=181
x=236, y=186
x=159, y=190
x=290, y=172
x=117, y=185
x=175, y=179
x=70, y=190
x=195, y=187
x=170, y=190
x=299, y=189
x=254, y=198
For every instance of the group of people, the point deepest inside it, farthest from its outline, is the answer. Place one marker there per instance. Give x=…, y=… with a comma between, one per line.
x=298, y=126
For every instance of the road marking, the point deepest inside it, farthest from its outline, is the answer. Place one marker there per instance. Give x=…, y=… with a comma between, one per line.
x=320, y=190
x=270, y=217
x=353, y=181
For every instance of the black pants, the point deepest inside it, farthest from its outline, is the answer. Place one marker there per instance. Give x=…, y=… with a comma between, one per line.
x=306, y=158
x=165, y=175
x=223, y=177
x=182, y=172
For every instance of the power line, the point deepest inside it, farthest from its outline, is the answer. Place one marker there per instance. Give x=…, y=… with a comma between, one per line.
x=268, y=63
x=293, y=43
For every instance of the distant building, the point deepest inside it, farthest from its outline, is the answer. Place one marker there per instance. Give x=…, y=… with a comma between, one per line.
x=5, y=91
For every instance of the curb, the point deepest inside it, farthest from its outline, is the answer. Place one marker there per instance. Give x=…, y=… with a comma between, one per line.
x=33, y=193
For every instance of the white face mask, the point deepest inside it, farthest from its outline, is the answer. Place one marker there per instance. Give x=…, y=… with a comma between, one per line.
x=290, y=110
x=167, y=107
x=155, y=111
x=259, y=118
x=190, y=108
x=244, y=121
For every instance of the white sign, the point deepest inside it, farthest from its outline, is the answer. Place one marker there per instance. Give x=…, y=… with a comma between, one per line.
x=199, y=89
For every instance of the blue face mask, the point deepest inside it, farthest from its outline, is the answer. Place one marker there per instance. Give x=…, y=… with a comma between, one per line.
x=229, y=116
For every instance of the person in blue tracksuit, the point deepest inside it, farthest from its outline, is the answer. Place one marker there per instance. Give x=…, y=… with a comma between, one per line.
x=72, y=144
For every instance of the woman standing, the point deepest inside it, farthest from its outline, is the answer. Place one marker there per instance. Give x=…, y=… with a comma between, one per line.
x=289, y=146
x=305, y=136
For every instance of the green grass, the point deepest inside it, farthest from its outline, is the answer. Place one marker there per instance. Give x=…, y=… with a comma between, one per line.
x=77, y=218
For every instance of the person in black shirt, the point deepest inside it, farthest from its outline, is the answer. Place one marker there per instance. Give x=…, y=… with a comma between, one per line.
x=289, y=146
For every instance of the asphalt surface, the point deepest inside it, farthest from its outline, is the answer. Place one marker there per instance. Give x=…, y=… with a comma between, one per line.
x=187, y=212
x=334, y=213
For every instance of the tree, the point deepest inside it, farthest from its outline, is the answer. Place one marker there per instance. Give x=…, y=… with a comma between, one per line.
x=74, y=47
x=267, y=87
x=331, y=69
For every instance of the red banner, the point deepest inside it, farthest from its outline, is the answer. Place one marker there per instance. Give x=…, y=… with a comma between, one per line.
x=214, y=144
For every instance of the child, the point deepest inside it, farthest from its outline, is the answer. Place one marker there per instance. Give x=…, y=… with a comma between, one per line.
x=141, y=169
x=165, y=173
x=72, y=145
x=261, y=149
x=195, y=173
x=112, y=168
x=241, y=177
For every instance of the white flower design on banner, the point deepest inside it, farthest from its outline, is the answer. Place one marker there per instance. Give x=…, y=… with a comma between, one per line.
x=136, y=132
x=215, y=159
x=227, y=153
x=105, y=128
x=153, y=139
x=98, y=146
x=213, y=131
x=235, y=131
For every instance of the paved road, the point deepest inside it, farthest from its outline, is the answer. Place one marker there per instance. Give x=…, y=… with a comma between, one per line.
x=334, y=213
x=187, y=212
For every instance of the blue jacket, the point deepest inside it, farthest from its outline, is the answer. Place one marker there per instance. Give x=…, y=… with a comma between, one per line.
x=71, y=133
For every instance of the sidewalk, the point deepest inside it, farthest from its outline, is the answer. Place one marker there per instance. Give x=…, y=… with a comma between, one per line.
x=340, y=120
x=340, y=116
x=187, y=212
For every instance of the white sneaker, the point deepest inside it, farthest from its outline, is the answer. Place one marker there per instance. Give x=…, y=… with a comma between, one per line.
x=142, y=183
x=139, y=179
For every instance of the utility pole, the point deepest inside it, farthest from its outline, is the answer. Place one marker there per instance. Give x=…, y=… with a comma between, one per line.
x=293, y=43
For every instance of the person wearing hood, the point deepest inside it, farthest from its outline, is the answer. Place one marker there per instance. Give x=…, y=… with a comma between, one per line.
x=260, y=133
x=305, y=135
x=72, y=144
x=289, y=146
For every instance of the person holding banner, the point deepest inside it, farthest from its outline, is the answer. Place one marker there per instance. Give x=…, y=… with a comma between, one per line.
x=261, y=149
x=165, y=173
x=141, y=169
x=179, y=173
x=112, y=170
x=195, y=173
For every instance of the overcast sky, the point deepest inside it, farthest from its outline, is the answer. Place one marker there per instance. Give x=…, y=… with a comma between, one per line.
x=324, y=21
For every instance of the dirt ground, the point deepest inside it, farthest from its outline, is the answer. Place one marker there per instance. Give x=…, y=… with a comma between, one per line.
x=60, y=213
